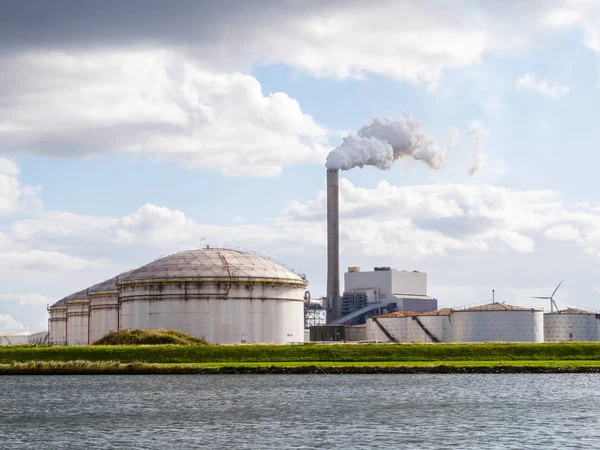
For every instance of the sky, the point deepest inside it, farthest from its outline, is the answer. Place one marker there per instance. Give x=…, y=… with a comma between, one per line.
x=132, y=130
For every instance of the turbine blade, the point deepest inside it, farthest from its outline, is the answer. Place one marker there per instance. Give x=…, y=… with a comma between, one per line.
x=556, y=288
x=543, y=298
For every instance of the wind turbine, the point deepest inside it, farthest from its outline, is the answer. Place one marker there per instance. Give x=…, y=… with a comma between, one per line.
x=551, y=298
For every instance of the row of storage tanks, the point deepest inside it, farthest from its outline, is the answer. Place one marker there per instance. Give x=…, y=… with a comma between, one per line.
x=222, y=295
x=494, y=322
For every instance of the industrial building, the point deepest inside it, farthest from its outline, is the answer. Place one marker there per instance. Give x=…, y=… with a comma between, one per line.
x=223, y=295
x=382, y=290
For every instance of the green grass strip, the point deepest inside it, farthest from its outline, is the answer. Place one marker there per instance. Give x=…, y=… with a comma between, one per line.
x=305, y=353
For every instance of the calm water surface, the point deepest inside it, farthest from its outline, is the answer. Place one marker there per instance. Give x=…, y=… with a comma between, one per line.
x=300, y=411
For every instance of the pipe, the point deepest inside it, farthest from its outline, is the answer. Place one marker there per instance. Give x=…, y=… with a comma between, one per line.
x=334, y=310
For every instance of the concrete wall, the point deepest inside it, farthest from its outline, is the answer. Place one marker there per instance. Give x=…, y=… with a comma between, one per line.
x=497, y=326
x=77, y=322
x=104, y=310
x=57, y=325
x=570, y=327
x=356, y=333
x=251, y=312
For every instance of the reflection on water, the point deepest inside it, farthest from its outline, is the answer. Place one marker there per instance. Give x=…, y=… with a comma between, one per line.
x=300, y=411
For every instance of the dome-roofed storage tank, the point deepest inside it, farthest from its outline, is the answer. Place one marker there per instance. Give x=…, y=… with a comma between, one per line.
x=223, y=295
x=58, y=319
x=571, y=324
x=497, y=322
x=78, y=307
x=104, y=308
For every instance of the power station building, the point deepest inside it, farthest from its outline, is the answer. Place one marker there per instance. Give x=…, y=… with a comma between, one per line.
x=382, y=290
x=223, y=295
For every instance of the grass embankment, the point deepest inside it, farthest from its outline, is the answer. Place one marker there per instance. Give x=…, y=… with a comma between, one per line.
x=149, y=337
x=308, y=358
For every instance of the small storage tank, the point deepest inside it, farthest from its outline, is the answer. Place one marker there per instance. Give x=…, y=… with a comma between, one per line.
x=571, y=325
x=409, y=326
x=104, y=308
x=497, y=322
x=223, y=295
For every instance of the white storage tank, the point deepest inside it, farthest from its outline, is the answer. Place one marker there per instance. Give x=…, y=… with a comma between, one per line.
x=58, y=319
x=57, y=324
x=497, y=322
x=104, y=308
x=571, y=325
x=14, y=339
x=78, y=313
x=223, y=295
x=409, y=326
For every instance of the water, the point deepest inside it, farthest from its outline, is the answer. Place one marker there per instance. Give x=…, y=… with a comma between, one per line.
x=300, y=411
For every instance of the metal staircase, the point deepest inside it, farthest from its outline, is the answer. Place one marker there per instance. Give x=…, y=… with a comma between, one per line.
x=386, y=332
x=424, y=328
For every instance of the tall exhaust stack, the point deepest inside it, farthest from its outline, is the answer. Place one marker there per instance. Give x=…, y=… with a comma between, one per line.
x=333, y=247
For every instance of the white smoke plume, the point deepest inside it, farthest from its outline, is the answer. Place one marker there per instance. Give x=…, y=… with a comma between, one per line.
x=476, y=134
x=384, y=141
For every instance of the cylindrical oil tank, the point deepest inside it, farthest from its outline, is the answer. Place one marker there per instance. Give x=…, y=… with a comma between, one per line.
x=78, y=311
x=497, y=322
x=104, y=309
x=222, y=295
x=409, y=326
x=571, y=325
x=429, y=327
x=57, y=325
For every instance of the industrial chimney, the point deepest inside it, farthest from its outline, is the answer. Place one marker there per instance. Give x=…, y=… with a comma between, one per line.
x=334, y=310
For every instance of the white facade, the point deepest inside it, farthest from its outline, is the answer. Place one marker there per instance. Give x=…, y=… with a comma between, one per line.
x=497, y=326
x=405, y=329
x=77, y=322
x=390, y=283
x=565, y=327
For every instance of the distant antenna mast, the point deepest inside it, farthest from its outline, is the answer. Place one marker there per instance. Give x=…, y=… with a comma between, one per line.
x=551, y=298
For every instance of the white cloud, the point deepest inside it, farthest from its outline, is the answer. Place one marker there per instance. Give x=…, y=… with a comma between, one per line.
x=528, y=82
x=156, y=103
x=40, y=260
x=14, y=196
x=8, y=324
x=592, y=35
x=26, y=299
x=562, y=233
